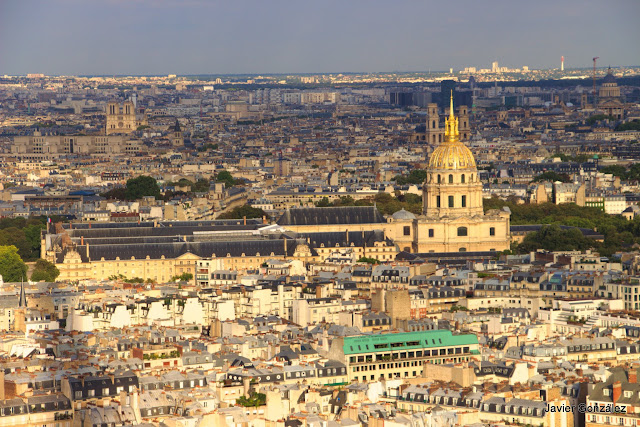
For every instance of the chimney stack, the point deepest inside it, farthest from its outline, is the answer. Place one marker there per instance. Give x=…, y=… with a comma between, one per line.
x=617, y=391
x=633, y=375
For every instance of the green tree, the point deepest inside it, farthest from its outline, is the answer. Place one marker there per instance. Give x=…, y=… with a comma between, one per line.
x=416, y=176
x=227, y=178
x=597, y=118
x=323, y=203
x=118, y=193
x=616, y=170
x=553, y=238
x=244, y=211
x=552, y=176
x=184, y=277
x=142, y=186
x=200, y=186
x=632, y=125
x=44, y=271
x=32, y=234
x=12, y=268
x=368, y=260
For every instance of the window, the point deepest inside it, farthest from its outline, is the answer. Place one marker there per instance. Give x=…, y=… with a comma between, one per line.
x=462, y=179
x=438, y=201
x=464, y=201
x=450, y=201
x=462, y=231
x=407, y=230
x=431, y=232
x=462, y=250
x=439, y=179
x=450, y=179
x=492, y=231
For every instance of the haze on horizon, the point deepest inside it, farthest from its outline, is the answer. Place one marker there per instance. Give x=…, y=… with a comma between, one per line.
x=155, y=37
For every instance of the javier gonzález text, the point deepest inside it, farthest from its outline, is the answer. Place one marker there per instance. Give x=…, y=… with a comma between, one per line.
x=584, y=408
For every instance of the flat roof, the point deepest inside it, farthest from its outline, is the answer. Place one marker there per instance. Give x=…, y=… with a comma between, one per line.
x=406, y=341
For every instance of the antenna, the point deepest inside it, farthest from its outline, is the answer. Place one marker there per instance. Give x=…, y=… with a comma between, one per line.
x=594, y=79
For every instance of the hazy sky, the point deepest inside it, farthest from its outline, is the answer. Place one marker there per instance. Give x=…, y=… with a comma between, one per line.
x=298, y=36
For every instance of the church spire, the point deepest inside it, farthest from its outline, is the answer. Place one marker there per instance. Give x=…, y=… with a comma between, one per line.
x=451, y=132
x=22, y=302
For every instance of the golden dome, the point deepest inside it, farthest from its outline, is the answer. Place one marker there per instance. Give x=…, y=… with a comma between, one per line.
x=452, y=154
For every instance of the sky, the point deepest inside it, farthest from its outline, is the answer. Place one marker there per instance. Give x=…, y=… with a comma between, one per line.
x=159, y=37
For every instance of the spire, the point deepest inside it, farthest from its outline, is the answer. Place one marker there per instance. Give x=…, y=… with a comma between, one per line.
x=451, y=125
x=451, y=115
x=22, y=302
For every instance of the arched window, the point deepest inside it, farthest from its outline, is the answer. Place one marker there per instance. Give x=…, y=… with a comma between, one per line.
x=464, y=201
x=450, y=179
x=462, y=250
x=462, y=231
x=462, y=179
x=439, y=179
x=433, y=124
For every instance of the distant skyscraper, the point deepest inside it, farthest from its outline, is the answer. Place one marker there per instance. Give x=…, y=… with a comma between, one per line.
x=562, y=63
x=495, y=67
x=446, y=88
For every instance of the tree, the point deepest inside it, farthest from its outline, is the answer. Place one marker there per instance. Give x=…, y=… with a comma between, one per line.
x=200, y=186
x=118, y=193
x=368, y=260
x=597, y=118
x=142, y=186
x=12, y=268
x=554, y=238
x=227, y=178
x=552, y=176
x=241, y=212
x=323, y=203
x=615, y=170
x=416, y=176
x=184, y=277
x=44, y=271
x=632, y=125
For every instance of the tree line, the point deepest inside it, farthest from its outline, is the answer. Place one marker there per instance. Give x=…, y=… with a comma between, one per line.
x=619, y=233
x=143, y=186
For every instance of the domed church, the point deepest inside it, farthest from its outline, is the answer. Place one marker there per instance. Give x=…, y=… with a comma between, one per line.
x=452, y=217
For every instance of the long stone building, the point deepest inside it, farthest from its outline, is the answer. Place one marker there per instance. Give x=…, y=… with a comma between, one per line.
x=38, y=147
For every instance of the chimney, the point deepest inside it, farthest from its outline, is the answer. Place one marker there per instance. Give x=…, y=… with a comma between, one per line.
x=617, y=391
x=633, y=375
x=244, y=220
x=81, y=240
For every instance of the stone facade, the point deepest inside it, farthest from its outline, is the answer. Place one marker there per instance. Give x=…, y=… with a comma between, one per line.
x=453, y=219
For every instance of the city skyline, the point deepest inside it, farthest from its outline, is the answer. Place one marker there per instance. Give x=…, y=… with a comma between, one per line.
x=189, y=38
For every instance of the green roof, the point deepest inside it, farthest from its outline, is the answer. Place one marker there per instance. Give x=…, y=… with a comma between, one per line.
x=405, y=340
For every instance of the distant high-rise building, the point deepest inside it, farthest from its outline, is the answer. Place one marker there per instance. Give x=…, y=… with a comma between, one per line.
x=562, y=63
x=447, y=87
x=495, y=68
